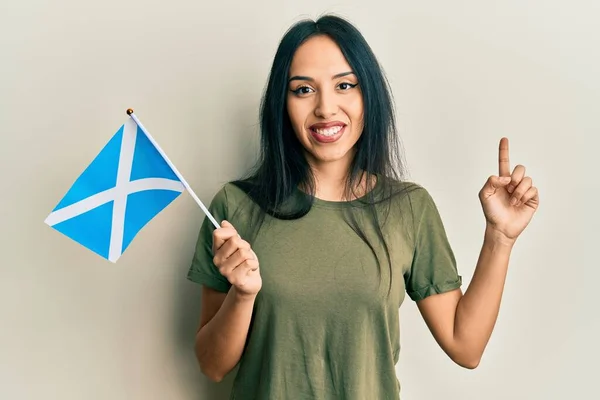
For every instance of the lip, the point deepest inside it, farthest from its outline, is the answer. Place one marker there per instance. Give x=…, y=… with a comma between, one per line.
x=327, y=139
x=325, y=125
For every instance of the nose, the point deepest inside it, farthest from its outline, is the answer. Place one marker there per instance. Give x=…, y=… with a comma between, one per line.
x=326, y=106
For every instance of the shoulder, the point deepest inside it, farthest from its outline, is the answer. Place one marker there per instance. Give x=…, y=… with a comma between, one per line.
x=420, y=197
x=231, y=202
x=413, y=202
x=228, y=196
x=408, y=194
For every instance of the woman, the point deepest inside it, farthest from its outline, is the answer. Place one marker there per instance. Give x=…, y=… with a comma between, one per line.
x=302, y=283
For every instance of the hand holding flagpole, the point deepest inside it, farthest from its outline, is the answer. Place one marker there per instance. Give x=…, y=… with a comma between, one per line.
x=181, y=178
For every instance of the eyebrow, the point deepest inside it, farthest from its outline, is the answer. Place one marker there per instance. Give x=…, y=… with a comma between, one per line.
x=308, y=78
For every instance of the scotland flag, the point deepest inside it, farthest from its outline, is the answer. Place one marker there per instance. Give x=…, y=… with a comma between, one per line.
x=126, y=185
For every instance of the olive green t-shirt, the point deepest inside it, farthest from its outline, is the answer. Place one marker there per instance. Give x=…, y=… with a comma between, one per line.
x=323, y=325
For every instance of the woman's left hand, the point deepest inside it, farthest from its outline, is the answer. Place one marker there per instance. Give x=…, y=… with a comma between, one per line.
x=509, y=200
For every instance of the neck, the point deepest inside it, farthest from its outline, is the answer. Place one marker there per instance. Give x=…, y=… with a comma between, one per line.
x=331, y=179
x=330, y=185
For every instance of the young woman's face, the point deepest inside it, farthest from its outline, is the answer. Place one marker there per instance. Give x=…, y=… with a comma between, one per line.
x=324, y=102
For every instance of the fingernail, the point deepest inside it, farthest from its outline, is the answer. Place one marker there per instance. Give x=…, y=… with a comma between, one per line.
x=510, y=188
x=513, y=201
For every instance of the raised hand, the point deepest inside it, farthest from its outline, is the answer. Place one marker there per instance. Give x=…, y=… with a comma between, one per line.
x=236, y=260
x=509, y=200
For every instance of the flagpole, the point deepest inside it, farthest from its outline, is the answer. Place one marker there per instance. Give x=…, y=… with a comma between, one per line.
x=181, y=178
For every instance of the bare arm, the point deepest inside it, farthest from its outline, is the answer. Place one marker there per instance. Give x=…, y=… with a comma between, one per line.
x=225, y=317
x=463, y=324
x=224, y=322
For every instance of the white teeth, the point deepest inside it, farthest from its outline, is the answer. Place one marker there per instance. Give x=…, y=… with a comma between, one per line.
x=328, y=131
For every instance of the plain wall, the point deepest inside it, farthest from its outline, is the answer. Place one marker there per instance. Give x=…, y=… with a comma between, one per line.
x=464, y=74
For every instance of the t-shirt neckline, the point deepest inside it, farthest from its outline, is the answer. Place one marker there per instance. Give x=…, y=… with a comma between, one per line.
x=361, y=201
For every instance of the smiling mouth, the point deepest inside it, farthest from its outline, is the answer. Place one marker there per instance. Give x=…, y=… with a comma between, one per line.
x=328, y=131
x=327, y=134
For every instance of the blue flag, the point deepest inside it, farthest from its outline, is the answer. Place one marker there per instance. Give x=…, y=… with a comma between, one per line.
x=125, y=186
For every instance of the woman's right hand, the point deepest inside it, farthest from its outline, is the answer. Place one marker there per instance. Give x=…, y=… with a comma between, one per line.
x=236, y=261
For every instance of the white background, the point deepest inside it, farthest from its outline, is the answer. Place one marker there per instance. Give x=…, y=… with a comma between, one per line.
x=464, y=74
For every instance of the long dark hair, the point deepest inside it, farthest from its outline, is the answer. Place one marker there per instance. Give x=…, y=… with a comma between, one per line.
x=282, y=167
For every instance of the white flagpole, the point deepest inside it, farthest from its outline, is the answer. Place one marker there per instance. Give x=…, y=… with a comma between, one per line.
x=162, y=153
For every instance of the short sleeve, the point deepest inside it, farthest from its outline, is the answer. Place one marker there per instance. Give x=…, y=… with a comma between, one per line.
x=433, y=269
x=202, y=269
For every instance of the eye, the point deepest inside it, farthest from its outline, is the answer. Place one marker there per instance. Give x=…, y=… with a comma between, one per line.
x=347, y=86
x=301, y=90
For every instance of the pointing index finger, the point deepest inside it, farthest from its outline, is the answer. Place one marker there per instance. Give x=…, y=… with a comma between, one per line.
x=503, y=160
